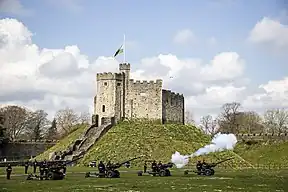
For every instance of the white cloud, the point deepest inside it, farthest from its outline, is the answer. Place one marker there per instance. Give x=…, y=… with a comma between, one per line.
x=270, y=32
x=275, y=94
x=52, y=79
x=13, y=7
x=184, y=36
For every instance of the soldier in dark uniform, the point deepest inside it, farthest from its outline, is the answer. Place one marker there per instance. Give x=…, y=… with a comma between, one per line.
x=8, y=171
x=45, y=165
x=64, y=168
x=145, y=167
x=26, y=166
x=204, y=164
x=159, y=165
x=101, y=167
x=199, y=166
x=41, y=170
x=108, y=165
x=35, y=163
x=154, y=166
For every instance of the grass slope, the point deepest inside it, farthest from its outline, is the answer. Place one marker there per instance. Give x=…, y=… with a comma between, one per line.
x=264, y=153
x=65, y=142
x=155, y=141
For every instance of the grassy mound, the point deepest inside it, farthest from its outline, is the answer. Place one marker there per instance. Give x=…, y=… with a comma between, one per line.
x=156, y=141
x=264, y=153
x=65, y=142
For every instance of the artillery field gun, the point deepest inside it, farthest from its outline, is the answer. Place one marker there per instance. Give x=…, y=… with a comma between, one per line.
x=110, y=171
x=207, y=168
x=53, y=170
x=162, y=171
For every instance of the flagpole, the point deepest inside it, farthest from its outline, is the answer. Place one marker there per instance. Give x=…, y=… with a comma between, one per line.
x=124, y=49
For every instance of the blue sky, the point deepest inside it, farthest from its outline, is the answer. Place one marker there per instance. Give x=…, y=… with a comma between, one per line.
x=97, y=27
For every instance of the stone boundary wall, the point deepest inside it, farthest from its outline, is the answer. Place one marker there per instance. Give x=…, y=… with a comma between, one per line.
x=263, y=137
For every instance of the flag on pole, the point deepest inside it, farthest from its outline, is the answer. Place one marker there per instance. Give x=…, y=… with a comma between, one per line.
x=119, y=51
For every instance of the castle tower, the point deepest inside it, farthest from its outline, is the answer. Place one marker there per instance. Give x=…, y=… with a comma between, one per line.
x=108, y=101
x=124, y=68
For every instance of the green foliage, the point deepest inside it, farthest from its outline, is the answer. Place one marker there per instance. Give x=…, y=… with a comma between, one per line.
x=64, y=143
x=156, y=141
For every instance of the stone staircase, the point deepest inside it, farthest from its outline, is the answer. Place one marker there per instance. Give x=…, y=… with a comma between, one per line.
x=85, y=142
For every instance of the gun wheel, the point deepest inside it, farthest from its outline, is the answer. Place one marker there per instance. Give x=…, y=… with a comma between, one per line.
x=162, y=173
x=208, y=172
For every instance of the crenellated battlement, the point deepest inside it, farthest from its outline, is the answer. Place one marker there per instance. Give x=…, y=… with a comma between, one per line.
x=173, y=94
x=263, y=136
x=172, y=98
x=109, y=76
x=139, y=84
x=124, y=66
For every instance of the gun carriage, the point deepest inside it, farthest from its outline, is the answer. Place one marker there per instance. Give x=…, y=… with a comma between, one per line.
x=110, y=171
x=162, y=170
x=206, y=169
x=53, y=170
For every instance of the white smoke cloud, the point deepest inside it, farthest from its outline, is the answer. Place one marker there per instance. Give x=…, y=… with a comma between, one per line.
x=220, y=142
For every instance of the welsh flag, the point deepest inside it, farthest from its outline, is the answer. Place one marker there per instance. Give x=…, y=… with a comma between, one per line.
x=119, y=51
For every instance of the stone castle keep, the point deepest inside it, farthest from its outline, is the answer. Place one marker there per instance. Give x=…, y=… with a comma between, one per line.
x=120, y=97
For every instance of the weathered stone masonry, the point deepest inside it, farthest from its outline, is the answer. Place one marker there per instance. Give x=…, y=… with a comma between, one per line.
x=121, y=97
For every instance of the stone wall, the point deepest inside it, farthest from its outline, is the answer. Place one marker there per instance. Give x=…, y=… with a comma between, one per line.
x=22, y=150
x=263, y=137
x=145, y=99
x=173, y=109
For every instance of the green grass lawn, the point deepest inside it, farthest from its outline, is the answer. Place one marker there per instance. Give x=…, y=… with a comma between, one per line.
x=234, y=181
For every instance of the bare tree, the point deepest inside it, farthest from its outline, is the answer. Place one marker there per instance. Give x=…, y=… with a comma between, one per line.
x=38, y=125
x=66, y=119
x=52, y=131
x=189, y=119
x=209, y=125
x=228, y=118
x=276, y=120
x=16, y=120
x=85, y=118
x=249, y=122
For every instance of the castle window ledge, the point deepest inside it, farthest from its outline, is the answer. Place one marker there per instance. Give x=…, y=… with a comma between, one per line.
x=105, y=83
x=143, y=94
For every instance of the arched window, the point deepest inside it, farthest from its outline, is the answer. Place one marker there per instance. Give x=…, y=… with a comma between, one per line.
x=103, y=108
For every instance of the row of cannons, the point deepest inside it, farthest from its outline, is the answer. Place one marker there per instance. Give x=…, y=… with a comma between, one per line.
x=56, y=170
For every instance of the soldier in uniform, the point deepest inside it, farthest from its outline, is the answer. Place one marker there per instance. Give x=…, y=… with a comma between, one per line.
x=41, y=170
x=154, y=166
x=26, y=166
x=108, y=165
x=101, y=167
x=64, y=168
x=199, y=166
x=45, y=165
x=35, y=163
x=159, y=165
x=8, y=171
x=204, y=163
x=145, y=167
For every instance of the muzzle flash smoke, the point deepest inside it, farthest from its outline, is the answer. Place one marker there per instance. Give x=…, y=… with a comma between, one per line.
x=220, y=142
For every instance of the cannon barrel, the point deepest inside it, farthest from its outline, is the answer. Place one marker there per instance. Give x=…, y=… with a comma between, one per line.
x=219, y=162
x=118, y=165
